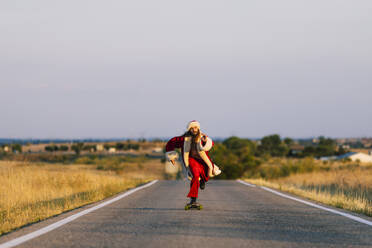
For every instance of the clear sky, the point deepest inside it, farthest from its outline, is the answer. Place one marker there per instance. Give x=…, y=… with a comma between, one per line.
x=79, y=69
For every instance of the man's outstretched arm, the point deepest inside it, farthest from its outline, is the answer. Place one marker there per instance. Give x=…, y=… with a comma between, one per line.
x=174, y=143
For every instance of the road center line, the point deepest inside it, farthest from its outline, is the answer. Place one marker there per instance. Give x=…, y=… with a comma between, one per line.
x=358, y=219
x=27, y=237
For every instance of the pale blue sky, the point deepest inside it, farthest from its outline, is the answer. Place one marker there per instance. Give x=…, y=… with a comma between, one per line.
x=78, y=69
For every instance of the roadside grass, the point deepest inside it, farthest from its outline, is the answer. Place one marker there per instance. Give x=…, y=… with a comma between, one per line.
x=30, y=192
x=343, y=186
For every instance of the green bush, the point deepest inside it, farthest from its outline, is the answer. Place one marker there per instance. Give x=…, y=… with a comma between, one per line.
x=51, y=148
x=63, y=148
x=234, y=156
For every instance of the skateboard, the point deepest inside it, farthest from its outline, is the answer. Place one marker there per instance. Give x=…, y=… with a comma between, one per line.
x=195, y=206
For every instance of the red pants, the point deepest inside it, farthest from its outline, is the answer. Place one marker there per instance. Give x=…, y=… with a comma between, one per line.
x=198, y=169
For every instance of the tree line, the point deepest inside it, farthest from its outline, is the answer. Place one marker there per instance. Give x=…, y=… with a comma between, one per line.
x=80, y=146
x=13, y=147
x=237, y=155
x=76, y=147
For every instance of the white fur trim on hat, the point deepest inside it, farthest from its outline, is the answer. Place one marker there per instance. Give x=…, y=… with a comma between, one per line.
x=193, y=124
x=207, y=146
x=172, y=155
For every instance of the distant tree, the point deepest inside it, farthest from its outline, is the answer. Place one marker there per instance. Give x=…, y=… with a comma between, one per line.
x=89, y=148
x=324, y=148
x=133, y=146
x=272, y=145
x=16, y=148
x=63, y=148
x=358, y=144
x=51, y=148
x=77, y=147
x=288, y=141
x=107, y=146
x=308, y=151
x=120, y=146
x=240, y=147
x=341, y=151
x=48, y=149
x=326, y=141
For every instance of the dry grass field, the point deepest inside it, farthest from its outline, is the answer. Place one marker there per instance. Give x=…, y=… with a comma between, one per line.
x=30, y=192
x=343, y=186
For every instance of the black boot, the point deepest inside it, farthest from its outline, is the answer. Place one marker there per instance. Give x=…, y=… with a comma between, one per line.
x=192, y=200
x=202, y=184
x=193, y=204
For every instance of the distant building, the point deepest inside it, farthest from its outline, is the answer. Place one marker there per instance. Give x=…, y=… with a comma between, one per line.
x=6, y=149
x=157, y=149
x=100, y=147
x=328, y=158
x=112, y=150
x=296, y=149
x=346, y=147
x=356, y=156
x=368, y=145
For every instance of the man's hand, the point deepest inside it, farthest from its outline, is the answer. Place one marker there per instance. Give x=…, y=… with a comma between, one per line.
x=189, y=173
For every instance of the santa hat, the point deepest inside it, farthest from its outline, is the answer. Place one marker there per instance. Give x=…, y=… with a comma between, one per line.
x=193, y=123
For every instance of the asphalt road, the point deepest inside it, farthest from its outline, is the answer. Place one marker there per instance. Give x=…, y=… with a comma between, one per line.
x=234, y=215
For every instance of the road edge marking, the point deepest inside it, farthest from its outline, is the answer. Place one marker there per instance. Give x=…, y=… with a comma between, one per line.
x=32, y=235
x=245, y=183
x=358, y=219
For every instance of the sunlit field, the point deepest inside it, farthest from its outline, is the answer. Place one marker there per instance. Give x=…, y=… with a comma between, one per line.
x=30, y=192
x=344, y=186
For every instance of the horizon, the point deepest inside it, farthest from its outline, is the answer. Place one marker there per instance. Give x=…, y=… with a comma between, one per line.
x=169, y=137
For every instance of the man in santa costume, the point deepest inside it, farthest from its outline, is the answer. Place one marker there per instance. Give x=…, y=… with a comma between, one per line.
x=194, y=149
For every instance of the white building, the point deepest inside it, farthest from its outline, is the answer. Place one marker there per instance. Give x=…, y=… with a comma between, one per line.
x=112, y=150
x=100, y=147
x=157, y=149
x=357, y=156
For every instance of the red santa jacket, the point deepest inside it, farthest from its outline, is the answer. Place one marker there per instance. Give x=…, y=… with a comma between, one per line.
x=184, y=143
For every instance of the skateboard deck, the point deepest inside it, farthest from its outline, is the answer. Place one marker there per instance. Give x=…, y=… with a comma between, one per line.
x=193, y=207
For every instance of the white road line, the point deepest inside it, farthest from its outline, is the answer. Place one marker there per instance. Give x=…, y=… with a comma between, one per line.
x=245, y=183
x=53, y=226
x=358, y=219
